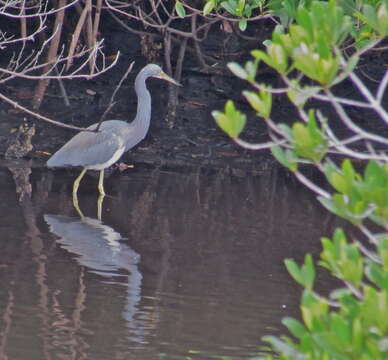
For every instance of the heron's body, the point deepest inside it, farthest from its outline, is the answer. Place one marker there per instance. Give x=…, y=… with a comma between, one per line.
x=99, y=150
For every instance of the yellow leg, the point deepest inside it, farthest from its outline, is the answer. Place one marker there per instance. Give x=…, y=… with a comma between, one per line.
x=78, y=180
x=100, y=201
x=101, y=183
x=76, y=206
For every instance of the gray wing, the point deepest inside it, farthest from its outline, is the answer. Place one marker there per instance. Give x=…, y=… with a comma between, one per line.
x=87, y=148
x=130, y=133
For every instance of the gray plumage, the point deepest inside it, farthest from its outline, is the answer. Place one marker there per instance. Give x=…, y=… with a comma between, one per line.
x=92, y=150
x=99, y=150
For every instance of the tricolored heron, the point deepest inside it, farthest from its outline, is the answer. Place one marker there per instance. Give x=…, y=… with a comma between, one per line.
x=99, y=150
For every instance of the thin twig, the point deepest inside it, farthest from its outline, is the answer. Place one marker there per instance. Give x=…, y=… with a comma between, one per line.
x=40, y=13
x=56, y=61
x=63, y=90
x=382, y=87
x=351, y=125
x=41, y=117
x=111, y=101
x=304, y=180
x=261, y=146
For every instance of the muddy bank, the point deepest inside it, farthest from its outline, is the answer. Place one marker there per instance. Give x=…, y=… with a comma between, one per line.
x=194, y=139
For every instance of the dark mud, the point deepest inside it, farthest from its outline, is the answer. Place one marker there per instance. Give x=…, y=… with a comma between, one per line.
x=194, y=140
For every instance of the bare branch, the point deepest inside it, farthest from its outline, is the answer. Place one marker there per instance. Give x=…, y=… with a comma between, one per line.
x=39, y=11
x=351, y=125
x=111, y=101
x=382, y=88
x=72, y=75
x=41, y=117
x=261, y=146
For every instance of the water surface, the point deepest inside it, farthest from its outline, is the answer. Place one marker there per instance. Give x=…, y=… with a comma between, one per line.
x=181, y=264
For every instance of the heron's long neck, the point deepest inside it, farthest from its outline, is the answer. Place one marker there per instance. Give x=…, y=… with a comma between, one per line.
x=143, y=114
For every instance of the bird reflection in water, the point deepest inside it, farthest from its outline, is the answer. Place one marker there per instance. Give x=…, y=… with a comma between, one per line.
x=100, y=201
x=102, y=251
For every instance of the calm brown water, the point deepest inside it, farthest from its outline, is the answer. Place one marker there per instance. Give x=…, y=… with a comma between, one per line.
x=181, y=266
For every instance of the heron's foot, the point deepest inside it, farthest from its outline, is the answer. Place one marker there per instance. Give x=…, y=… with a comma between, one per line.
x=123, y=166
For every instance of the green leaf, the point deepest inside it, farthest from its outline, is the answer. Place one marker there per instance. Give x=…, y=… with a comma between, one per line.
x=375, y=175
x=294, y=271
x=382, y=19
x=278, y=58
x=341, y=328
x=284, y=348
x=261, y=102
x=275, y=57
x=330, y=205
x=348, y=170
x=286, y=131
x=238, y=70
x=370, y=16
x=308, y=272
x=180, y=10
x=242, y=24
x=323, y=70
x=251, y=70
x=231, y=121
x=339, y=183
x=295, y=327
x=357, y=335
x=338, y=294
x=229, y=8
x=299, y=96
x=304, y=19
x=313, y=310
x=383, y=251
x=377, y=274
x=209, y=6
x=286, y=157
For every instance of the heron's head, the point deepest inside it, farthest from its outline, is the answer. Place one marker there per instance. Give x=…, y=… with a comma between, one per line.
x=156, y=71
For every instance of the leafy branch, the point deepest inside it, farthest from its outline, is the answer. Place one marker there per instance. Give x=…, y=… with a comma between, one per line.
x=310, y=54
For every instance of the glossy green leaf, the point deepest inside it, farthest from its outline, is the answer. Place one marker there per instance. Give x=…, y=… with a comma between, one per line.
x=278, y=58
x=286, y=157
x=261, y=102
x=382, y=19
x=342, y=329
x=180, y=10
x=238, y=70
x=294, y=271
x=295, y=327
x=284, y=348
x=308, y=271
x=231, y=121
x=300, y=95
x=242, y=24
x=209, y=7
x=229, y=8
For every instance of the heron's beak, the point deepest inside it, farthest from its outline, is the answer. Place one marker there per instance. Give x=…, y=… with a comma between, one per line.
x=162, y=75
